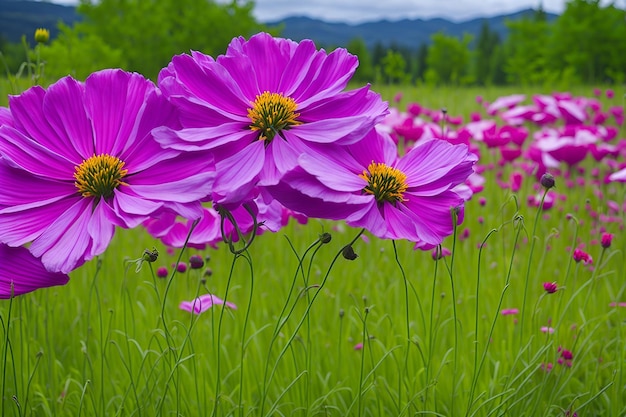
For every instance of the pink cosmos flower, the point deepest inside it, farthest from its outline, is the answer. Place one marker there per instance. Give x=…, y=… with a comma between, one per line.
x=80, y=160
x=505, y=102
x=261, y=105
x=203, y=303
x=368, y=185
x=21, y=272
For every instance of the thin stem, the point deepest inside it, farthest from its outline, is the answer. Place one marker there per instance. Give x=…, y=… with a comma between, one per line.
x=530, y=258
x=364, y=335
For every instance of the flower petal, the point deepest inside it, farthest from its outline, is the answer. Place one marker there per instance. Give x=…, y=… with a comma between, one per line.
x=65, y=244
x=21, y=272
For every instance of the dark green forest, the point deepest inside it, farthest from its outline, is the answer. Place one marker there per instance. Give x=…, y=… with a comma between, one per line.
x=586, y=44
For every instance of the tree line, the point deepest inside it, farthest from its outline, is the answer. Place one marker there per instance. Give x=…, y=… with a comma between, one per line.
x=585, y=44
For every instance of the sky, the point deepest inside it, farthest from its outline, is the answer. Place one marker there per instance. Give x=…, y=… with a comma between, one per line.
x=359, y=11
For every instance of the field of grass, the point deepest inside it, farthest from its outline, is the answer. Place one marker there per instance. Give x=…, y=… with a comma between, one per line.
x=392, y=333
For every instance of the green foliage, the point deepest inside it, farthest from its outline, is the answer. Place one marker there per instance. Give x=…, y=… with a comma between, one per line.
x=589, y=39
x=526, y=50
x=394, y=67
x=486, y=62
x=448, y=58
x=78, y=53
x=143, y=36
x=365, y=71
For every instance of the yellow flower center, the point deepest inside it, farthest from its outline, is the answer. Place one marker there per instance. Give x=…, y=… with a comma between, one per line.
x=99, y=175
x=385, y=183
x=271, y=113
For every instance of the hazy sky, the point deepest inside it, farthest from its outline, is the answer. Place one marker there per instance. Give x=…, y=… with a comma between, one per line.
x=357, y=11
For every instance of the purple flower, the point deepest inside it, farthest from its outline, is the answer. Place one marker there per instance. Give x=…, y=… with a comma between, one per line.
x=21, y=272
x=261, y=105
x=162, y=272
x=180, y=267
x=196, y=262
x=81, y=159
x=368, y=185
x=509, y=311
x=203, y=303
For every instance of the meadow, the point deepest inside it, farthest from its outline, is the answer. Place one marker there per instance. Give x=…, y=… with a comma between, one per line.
x=394, y=332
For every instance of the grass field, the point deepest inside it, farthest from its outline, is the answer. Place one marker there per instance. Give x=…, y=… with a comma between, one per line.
x=391, y=333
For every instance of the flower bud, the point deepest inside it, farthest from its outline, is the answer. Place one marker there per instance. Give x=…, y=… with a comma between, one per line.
x=348, y=253
x=550, y=287
x=162, y=272
x=547, y=181
x=150, y=255
x=42, y=35
x=196, y=262
x=181, y=267
x=606, y=240
x=325, y=238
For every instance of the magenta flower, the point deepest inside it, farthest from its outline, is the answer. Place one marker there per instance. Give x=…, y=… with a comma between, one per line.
x=368, y=185
x=606, y=240
x=203, y=303
x=566, y=357
x=509, y=311
x=438, y=253
x=550, y=287
x=80, y=160
x=21, y=272
x=261, y=105
x=581, y=255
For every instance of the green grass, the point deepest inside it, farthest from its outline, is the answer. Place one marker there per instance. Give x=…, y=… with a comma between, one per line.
x=114, y=342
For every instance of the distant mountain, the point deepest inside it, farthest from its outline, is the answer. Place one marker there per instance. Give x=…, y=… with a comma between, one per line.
x=19, y=17
x=409, y=33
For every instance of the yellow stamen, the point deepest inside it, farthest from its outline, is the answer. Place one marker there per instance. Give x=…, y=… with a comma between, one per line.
x=271, y=113
x=99, y=175
x=385, y=183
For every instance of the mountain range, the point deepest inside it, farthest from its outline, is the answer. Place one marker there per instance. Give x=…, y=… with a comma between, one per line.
x=19, y=17
x=409, y=33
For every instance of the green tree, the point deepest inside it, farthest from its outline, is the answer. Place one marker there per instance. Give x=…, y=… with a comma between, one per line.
x=448, y=58
x=526, y=50
x=78, y=54
x=150, y=32
x=394, y=67
x=590, y=40
x=422, y=55
x=365, y=71
x=485, y=63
